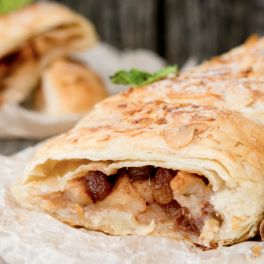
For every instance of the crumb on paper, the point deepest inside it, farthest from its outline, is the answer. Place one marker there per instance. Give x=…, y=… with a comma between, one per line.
x=256, y=251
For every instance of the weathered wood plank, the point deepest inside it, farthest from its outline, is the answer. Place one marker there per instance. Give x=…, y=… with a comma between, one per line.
x=123, y=23
x=255, y=17
x=176, y=29
x=203, y=28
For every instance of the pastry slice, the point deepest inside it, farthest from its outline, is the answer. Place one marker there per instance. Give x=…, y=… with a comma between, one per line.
x=180, y=158
x=182, y=171
x=32, y=38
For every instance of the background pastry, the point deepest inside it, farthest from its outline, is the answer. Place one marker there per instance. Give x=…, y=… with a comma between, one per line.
x=68, y=87
x=30, y=41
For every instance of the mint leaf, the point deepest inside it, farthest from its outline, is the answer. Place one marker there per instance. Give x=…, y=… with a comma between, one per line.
x=11, y=5
x=161, y=74
x=133, y=77
x=139, y=78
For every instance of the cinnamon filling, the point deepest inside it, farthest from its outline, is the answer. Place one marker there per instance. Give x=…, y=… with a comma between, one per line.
x=182, y=196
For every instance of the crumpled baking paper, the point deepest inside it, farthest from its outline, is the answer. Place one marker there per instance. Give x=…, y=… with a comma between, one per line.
x=36, y=238
x=16, y=121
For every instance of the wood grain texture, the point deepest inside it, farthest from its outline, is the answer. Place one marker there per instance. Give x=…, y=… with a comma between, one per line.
x=123, y=23
x=204, y=28
x=176, y=29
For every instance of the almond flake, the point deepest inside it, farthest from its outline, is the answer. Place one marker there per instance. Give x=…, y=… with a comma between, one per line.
x=178, y=137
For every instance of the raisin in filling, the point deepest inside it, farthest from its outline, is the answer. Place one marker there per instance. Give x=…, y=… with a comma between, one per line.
x=183, y=220
x=99, y=186
x=160, y=185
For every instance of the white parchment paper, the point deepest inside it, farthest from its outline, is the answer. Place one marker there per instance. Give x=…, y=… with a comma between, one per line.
x=16, y=121
x=34, y=237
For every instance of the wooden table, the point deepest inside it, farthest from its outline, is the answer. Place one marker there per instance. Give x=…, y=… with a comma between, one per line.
x=176, y=29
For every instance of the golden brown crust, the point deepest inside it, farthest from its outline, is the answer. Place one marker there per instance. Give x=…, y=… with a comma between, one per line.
x=68, y=87
x=233, y=80
x=32, y=21
x=192, y=123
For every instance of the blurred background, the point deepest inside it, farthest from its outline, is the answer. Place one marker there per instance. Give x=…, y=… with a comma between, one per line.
x=175, y=29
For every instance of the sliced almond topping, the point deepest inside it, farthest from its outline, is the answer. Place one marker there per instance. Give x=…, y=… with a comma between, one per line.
x=178, y=137
x=199, y=127
x=242, y=98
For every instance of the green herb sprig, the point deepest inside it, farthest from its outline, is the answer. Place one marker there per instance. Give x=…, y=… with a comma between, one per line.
x=11, y=5
x=137, y=77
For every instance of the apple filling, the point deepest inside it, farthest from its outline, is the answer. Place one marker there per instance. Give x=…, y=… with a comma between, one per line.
x=177, y=201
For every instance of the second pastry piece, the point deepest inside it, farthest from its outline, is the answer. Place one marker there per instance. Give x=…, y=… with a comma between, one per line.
x=30, y=41
x=68, y=87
